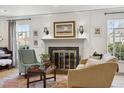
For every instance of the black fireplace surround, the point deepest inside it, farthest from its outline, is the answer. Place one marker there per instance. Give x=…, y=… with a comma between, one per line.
x=72, y=62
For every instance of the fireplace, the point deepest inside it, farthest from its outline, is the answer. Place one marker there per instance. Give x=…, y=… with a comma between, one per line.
x=64, y=57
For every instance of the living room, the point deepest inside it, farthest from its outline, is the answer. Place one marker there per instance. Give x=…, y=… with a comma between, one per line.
x=69, y=35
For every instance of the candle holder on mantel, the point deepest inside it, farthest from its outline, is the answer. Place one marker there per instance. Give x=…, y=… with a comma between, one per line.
x=81, y=29
x=46, y=31
x=81, y=33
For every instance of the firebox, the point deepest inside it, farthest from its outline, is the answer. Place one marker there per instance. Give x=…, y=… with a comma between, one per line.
x=64, y=57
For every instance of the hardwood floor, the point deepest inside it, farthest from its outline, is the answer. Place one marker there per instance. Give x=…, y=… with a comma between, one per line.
x=5, y=75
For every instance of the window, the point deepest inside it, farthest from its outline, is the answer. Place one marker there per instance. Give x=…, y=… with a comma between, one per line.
x=22, y=34
x=116, y=38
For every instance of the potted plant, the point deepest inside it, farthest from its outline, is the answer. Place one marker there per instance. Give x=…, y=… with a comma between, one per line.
x=45, y=57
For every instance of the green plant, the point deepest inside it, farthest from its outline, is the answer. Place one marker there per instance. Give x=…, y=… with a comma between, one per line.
x=118, y=49
x=45, y=57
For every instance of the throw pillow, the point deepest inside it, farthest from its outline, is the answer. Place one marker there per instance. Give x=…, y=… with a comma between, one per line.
x=83, y=61
x=92, y=62
x=95, y=54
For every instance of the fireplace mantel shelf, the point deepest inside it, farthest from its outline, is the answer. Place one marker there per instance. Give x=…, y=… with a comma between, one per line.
x=63, y=38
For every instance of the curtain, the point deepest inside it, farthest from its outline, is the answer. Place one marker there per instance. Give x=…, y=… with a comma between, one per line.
x=12, y=40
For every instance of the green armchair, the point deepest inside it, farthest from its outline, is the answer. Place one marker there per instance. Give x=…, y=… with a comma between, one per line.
x=27, y=58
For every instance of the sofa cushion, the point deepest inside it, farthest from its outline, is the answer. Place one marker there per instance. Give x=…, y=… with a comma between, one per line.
x=83, y=61
x=109, y=59
x=92, y=62
x=80, y=66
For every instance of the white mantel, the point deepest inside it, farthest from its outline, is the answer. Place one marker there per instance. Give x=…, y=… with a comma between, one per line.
x=64, y=42
x=78, y=37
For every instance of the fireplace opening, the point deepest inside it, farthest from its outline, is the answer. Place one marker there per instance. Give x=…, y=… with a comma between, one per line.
x=64, y=57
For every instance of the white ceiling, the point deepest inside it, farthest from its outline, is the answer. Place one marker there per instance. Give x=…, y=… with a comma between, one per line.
x=23, y=10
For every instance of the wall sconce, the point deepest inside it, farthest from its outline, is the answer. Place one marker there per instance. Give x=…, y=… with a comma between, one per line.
x=81, y=29
x=46, y=31
x=1, y=37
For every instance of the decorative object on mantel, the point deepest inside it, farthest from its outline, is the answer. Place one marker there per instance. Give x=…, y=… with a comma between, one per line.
x=1, y=37
x=81, y=32
x=65, y=29
x=46, y=31
x=81, y=29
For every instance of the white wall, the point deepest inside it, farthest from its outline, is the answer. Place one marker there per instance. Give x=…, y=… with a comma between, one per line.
x=89, y=20
x=3, y=31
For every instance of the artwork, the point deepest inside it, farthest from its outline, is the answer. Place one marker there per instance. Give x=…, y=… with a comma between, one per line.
x=35, y=38
x=35, y=42
x=64, y=29
x=35, y=33
x=97, y=31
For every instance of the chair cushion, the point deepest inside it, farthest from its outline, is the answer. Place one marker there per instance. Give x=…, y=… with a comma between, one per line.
x=4, y=62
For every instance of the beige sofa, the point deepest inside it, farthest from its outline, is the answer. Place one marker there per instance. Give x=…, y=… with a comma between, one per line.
x=93, y=76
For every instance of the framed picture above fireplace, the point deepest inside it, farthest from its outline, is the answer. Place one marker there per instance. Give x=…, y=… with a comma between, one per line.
x=65, y=29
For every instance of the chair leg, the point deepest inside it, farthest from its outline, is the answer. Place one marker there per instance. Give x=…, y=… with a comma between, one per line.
x=25, y=76
x=54, y=75
x=28, y=80
x=25, y=73
x=19, y=73
x=40, y=76
x=44, y=80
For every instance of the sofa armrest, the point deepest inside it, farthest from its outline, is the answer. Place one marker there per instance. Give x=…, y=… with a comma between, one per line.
x=96, y=76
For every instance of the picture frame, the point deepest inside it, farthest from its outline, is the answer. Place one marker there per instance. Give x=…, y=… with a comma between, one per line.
x=35, y=33
x=35, y=43
x=98, y=31
x=65, y=29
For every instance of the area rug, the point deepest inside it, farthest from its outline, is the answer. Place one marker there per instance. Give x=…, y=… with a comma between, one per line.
x=60, y=84
x=21, y=82
x=11, y=79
